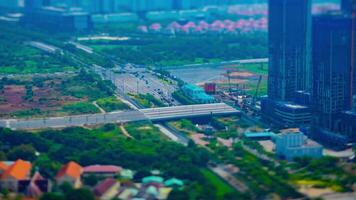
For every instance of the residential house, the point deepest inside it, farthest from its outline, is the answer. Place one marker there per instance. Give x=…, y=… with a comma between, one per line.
x=70, y=173
x=102, y=170
x=18, y=171
x=3, y=167
x=34, y=187
x=107, y=189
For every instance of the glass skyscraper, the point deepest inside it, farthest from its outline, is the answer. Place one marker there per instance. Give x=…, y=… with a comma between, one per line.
x=332, y=68
x=289, y=48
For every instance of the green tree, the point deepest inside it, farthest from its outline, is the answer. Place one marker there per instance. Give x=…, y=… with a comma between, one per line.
x=2, y=156
x=66, y=188
x=80, y=194
x=178, y=195
x=91, y=180
x=24, y=151
x=52, y=196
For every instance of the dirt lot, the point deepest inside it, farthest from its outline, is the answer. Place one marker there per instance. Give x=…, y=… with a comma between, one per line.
x=47, y=98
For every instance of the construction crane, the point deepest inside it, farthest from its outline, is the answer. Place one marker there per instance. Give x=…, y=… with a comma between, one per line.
x=229, y=77
x=257, y=89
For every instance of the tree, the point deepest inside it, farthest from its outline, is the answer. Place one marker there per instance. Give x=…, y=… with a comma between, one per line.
x=178, y=195
x=52, y=196
x=91, y=180
x=66, y=188
x=80, y=194
x=2, y=156
x=109, y=127
x=24, y=151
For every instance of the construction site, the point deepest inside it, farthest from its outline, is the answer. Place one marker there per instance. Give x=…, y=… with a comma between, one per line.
x=239, y=84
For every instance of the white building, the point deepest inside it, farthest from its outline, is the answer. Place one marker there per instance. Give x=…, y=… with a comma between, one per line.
x=291, y=145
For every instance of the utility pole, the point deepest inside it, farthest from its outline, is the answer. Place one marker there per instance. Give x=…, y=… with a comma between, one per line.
x=137, y=87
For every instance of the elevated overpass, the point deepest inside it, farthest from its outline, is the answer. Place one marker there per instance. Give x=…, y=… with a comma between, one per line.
x=152, y=114
x=188, y=111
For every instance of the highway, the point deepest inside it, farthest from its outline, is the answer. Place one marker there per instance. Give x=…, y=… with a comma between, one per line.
x=153, y=114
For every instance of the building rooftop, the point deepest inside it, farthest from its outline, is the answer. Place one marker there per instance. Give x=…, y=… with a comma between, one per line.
x=173, y=181
x=258, y=134
x=149, y=179
x=294, y=106
x=102, y=169
x=71, y=169
x=104, y=186
x=19, y=170
x=3, y=166
x=193, y=87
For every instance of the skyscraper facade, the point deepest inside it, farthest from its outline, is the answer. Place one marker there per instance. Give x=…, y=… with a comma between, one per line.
x=332, y=68
x=33, y=4
x=289, y=48
x=346, y=6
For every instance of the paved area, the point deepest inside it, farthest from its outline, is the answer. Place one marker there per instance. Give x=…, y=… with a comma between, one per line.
x=228, y=177
x=80, y=120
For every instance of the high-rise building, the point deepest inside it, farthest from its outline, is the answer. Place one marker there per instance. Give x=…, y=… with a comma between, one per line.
x=346, y=6
x=289, y=73
x=289, y=48
x=33, y=4
x=332, y=68
x=10, y=4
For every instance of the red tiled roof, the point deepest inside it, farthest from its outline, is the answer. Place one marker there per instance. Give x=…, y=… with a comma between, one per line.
x=3, y=166
x=104, y=186
x=102, y=169
x=71, y=169
x=37, y=177
x=19, y=170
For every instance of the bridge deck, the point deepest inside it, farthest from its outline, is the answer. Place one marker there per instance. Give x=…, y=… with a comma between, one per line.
x=154, y=114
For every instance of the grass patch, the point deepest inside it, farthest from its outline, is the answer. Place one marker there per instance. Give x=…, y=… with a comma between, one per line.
x=80, y=108
x=222, y=188
x=147, y=100
x=110, y=104
x=27, y=113
x=144, y=130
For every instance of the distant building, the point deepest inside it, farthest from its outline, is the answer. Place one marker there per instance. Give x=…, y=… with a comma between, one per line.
x=34, y=187
x=57, y=18
x=10, y=4
x=332, y=78
x=107, y=189
x=291, y=145
x=102, y=170
x=197, y=94
x=289, y=72
x=259, y=135
x=289, y=48
x=346, y=6
x=302, y=98
x=286, y=114
x=13, y=174
x=70, y=173
x=210, y=88
x=31, y=5
x=175, y=183
x=3, y=167
x=347, y=125
x=139, y=6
